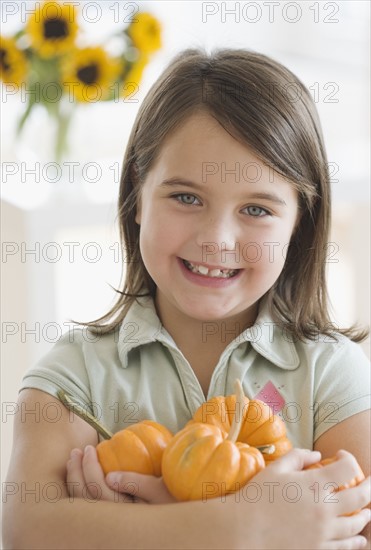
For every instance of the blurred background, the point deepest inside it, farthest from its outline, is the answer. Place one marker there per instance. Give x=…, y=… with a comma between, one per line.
x=60, y=246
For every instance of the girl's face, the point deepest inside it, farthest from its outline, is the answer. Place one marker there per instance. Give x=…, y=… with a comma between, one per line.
x=215, y=224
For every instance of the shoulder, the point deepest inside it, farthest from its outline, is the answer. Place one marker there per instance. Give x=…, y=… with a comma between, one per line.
x=335, y=349
x=84, y=345
x=76, y=356
x=272, y=339
x=337, y=365
x=77, y=363
x=278, y=345
x=77, y=340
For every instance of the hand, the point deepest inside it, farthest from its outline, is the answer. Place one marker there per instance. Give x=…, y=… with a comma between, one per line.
x=85, y=479
x=296, y=509
x=149, y=489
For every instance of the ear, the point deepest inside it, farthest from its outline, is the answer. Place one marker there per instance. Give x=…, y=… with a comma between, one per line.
x=299, y=215
x=138, y=215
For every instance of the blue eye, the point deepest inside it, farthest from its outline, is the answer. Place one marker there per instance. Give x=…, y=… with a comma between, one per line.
x=257, y=212
x=185, y=198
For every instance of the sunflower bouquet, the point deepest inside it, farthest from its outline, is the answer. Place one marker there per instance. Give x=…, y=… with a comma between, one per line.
x=46, y=59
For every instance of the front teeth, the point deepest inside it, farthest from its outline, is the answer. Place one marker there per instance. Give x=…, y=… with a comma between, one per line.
x=201, y=269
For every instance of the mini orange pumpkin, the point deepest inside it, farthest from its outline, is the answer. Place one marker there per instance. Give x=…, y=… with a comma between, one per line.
x=260, y=427
x=203, y=455
x=352, y=483
x=138, y=448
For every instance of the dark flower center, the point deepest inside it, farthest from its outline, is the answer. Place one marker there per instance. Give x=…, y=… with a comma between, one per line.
x=88, y=74
x=152, y=29
x=3, y=61
x=55, y=28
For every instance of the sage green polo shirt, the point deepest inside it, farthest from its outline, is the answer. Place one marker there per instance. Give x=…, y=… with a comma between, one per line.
x=138, y=372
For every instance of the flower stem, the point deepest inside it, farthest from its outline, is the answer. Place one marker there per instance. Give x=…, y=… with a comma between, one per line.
x=63, y=122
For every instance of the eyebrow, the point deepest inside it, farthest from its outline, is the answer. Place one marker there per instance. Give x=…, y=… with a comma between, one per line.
x=172, y=182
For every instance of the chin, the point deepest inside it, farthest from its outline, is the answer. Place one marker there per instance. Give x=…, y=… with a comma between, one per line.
x=209, y=314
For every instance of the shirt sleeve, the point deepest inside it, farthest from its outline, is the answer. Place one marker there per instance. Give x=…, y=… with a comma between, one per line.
x=342, y=385
x=62, y=368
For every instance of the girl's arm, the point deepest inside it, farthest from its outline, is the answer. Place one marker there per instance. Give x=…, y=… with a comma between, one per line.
x=39, y=514
x=353, y=435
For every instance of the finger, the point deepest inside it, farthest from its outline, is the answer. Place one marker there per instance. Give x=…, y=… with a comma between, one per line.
x=297, y=459
x=354, y=498
x=151, y=489
x=354, y=543
x=95, y=479
x=75, y=478
x=347, y=456
x=124, y=482
x=341, y=471
x=347, y=527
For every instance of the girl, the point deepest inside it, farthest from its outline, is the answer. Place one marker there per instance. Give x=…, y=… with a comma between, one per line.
x=224, y=213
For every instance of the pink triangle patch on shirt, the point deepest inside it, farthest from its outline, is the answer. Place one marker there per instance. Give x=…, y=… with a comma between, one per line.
x=271, y=396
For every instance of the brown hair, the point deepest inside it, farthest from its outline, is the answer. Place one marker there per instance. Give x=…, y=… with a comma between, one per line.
x=266, y=107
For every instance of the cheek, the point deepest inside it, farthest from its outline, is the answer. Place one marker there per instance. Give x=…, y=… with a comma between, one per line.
x=160, y=236
x=267, y=249
x=159, y=226
x=265, y=262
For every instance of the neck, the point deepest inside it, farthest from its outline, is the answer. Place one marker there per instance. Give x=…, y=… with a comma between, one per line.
x=203, y=335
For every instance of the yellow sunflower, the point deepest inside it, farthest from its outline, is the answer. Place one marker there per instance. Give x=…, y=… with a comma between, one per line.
x=52, y=28
x=145, y=32
x=88, y=74
x=13, y=64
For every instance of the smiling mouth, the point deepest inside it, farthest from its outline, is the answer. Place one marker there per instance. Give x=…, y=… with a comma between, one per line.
x=216, y=273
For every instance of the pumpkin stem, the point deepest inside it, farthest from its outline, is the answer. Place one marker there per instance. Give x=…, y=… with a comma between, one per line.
x=267, y=449
x=237, y=419
x=85, y=415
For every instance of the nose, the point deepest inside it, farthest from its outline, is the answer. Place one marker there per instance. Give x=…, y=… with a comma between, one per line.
x=216, y=236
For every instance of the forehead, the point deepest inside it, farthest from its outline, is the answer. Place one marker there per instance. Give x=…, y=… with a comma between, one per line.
x=200, y=145
x=201, y=133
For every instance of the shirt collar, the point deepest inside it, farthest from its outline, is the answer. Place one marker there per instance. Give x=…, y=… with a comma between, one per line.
x=272, y=341
x=143, y=326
